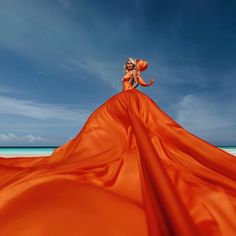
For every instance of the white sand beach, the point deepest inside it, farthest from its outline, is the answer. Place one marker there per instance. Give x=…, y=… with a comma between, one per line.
x=23, y=155
x=47, y=154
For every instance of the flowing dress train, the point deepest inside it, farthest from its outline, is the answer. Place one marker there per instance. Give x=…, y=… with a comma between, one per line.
x=131, y=171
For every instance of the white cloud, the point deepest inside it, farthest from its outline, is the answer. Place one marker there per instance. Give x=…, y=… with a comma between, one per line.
x=199, y=113
x=46, y=34
x=41, y=111
x=6, y=89
x=206, y=118
x=181, y=74
x=107, y=71
x=40, y=31
x=10, y=137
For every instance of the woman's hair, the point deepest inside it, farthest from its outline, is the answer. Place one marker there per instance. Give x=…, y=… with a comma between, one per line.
x=133, y=61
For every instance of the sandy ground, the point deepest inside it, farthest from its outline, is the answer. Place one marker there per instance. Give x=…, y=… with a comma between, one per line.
x=43, y=154
x=23, y=155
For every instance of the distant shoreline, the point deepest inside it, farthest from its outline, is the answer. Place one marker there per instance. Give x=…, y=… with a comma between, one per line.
x=44, y=154
x=48, y=154
x=24, y=155
x=233, y=146
x=30, y=146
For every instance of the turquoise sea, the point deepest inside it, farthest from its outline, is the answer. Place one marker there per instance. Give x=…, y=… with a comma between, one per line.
x=21, y=151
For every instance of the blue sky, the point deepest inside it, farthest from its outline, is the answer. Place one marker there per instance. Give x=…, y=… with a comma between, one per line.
x=61, y=59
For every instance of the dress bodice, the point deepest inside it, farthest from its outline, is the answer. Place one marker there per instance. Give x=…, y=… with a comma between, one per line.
x=128, y=75
x=126, y=81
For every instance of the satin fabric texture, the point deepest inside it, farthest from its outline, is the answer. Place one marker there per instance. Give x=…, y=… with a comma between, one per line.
x=131, y=171
x=142, y=65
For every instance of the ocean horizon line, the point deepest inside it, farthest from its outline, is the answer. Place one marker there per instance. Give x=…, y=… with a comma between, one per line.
x=17, y=151
x=29, y=146
x=53, y=146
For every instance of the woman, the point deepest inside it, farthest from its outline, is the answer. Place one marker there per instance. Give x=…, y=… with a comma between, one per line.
x=132, y=77
x=131, y=171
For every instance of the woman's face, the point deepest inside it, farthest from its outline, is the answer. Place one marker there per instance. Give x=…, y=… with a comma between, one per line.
x=129, y=65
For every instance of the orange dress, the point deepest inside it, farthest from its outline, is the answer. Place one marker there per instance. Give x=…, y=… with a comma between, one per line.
x=141, y=66
x=130, y=171
x=126, y=81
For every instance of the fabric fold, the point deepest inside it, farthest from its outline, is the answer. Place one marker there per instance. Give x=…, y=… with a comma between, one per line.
x=131, y=170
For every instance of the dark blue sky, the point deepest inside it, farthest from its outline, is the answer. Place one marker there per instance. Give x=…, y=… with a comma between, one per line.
x=60, y=60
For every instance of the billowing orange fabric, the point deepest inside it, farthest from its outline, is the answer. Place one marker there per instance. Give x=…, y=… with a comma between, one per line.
x=131, y=171
x=142, y=65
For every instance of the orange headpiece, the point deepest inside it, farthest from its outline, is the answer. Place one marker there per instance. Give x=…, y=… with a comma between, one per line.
x=142, y=66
